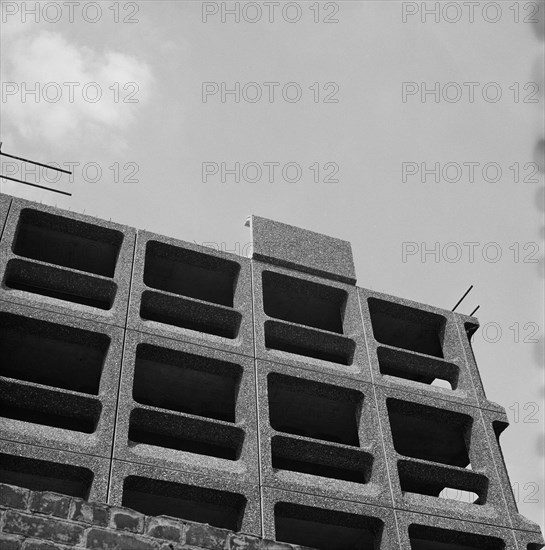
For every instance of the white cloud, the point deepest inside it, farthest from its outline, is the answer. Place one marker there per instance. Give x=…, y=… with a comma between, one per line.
x=65, y=113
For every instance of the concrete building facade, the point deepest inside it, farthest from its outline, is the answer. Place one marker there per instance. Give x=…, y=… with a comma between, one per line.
x=269, y=395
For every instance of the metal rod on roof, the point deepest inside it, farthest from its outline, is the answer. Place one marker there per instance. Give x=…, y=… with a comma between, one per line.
x=471, y=314
x=35, y=185
x=460, y=300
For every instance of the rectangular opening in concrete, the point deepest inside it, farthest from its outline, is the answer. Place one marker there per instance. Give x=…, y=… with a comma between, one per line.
x=303, y=302
x=425, y=370
x=317, y=459
x=465, y=486
x=315, y=410
x=43, y=475
x=189, y=314
x=189, y=273
x=186, y=383
x=67, y=242
x=429, y=433
x=185, y=434
x=406, y=327
x=38, y=405
x=424, y=537
x=308, y=343
x=326, y=529
x=203, y=505
x=60, y=284
x=51, y=354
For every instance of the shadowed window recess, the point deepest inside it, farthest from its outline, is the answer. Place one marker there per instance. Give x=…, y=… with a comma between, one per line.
x=192, y=290
x=308, y=318
x=195, y=385
x=200, y=504
x=49, y=373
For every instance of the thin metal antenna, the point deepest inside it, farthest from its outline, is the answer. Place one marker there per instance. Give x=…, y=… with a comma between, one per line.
x=34, y=162
x=471, y=314
x=460, y=300
x=37, y=164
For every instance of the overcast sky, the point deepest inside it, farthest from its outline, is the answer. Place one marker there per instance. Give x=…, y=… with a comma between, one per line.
x=334, y=117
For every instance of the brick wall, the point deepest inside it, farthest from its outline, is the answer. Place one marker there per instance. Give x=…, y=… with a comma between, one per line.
x=33, y=520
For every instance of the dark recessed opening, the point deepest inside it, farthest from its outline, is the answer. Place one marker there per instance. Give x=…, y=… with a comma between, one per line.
x=187, y=383
x=48, y=407
x=471, y=329
x=183, y=313
x=42, y=475
x=303, y=302
x=155, y=498
x=499, y=426
x=534, y=546
x=317, y=459
x=408, y=366
x=311, y=409
x=189, y=273
x=309, y=343
x=424, y=537
x=60, y=284
x=185, y=434
x=67, y=242
x=407, y=327
x=442, y=482
x=439, y=435
x=51, y=354
x=326, y=529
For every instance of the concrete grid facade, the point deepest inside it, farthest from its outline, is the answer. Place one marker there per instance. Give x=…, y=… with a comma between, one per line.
x=269, y=396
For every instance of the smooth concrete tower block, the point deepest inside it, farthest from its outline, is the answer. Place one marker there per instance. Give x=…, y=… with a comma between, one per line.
x=158, y=491
x=187, y=407
x=59, y=379
x=44, y=469
x=467, y=326
x=495, y=423
x=319, y=434
x=426, y=532
x=308, y=322
x=327, y=523
x=439, y=459
x=295, y=248
x=529, y=541
x=66, y=262
x=415, y=348
x=5, y=202
x=189, y=292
